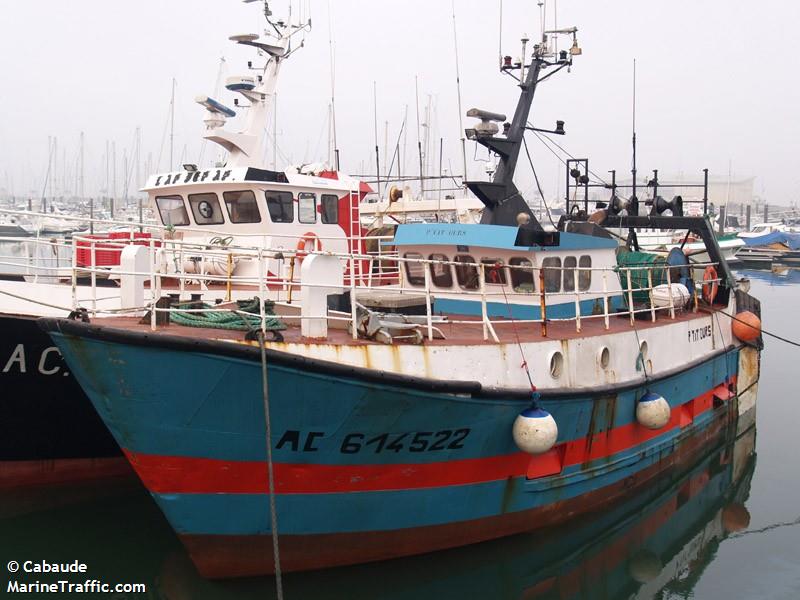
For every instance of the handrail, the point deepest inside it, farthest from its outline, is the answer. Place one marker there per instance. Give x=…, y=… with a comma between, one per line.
x=162, y=251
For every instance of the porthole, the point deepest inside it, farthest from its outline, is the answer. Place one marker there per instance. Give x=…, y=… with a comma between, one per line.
x=556, y=364
x=604, y=357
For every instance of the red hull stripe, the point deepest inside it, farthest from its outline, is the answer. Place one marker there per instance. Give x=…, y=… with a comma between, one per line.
x=190, y=475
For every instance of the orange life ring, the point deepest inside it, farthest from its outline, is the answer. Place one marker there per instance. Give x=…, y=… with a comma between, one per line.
x=309, y=237
x=710, y=284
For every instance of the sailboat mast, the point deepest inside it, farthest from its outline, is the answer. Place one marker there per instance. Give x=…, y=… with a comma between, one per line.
x=81, y=188
x=419, y=142
x=633, y=165
x=377, y=151
x=460, y=112
x=171, y=126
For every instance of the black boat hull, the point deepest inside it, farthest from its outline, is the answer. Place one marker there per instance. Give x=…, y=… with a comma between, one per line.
x=49, y=431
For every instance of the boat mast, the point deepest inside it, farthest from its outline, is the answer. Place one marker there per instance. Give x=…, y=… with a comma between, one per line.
x=502, y=199
x=377, y=151
x=460, y=111
x=172, y=125
x=247, y=148
x=419, y=141
x=634, y=199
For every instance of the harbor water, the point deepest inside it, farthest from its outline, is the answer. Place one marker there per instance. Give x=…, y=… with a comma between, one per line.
x=727, y=526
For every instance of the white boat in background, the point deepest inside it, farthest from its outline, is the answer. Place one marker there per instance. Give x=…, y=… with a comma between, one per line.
x=657, y=241
x=401, y=207
x=10, y=226
x=730, y=245
x=766, y=228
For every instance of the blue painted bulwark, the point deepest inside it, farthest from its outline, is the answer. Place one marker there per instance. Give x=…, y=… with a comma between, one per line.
x=486, y=236
x=562, y=310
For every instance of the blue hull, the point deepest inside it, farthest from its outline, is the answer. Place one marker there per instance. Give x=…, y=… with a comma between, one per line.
x=366, y=468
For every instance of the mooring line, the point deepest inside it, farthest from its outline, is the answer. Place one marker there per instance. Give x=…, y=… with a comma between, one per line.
x=273, y=513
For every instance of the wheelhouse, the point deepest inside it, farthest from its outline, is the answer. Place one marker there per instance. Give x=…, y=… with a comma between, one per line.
x=465, y=263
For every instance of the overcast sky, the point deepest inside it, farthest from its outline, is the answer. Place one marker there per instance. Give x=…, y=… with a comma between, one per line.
x=717, y=83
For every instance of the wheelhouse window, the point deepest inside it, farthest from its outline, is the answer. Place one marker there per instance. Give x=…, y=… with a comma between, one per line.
x=441, y=275
x=415, y=271
x=552, y=274
x=466, y=272
x=330, y=208
x=280, y=206
x=307, y=207
x=242, y=206
x=206, y=209
x=570, y=262
x=585, y=277
x=522, y=275
x=172, y=210
x=493, y=271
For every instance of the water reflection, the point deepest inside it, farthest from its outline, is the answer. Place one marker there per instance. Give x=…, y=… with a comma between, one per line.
x=784, y=276
x=660, y=540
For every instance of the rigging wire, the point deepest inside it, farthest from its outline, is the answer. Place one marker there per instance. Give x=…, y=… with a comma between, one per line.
x=538, y=185
x=542, y=138
x=524, y=364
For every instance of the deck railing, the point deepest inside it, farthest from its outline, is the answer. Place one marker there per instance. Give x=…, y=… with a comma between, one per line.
x=615, y=296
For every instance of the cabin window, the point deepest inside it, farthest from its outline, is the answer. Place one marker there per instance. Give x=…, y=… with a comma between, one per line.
x=552, y=274
x=206, y=209
x=493, y=271
x=281, y=206
x=415, y=271
x=172, y=210
x=570, y=262
x=466, y=272
x=585, y=277
x=242, y=207
x=307, y=207
x=330, y=208
x=522, y=276
x=441, y=275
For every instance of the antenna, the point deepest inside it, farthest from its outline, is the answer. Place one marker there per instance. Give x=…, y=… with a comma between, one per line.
x=500, y=40
x=333, y=86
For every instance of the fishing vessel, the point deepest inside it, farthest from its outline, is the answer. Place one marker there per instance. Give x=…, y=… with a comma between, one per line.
x=510, y=378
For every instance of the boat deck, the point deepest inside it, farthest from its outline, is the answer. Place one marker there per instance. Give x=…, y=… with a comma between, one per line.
x=468, y=331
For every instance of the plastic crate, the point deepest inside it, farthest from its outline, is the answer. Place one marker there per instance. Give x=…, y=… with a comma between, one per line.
x=108, y=255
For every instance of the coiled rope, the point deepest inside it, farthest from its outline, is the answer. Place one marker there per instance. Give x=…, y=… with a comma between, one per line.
x=247, y=318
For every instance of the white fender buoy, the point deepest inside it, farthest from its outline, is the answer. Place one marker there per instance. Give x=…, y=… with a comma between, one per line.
x=652, y=411
x=535, y=431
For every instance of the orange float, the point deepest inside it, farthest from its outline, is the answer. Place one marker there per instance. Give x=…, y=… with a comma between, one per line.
x=746, y=326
